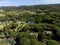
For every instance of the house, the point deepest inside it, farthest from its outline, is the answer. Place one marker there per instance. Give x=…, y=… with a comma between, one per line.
x=0, y=23
x=48, y=32
x=18, y=22
x=1, y=10
x=31, y=22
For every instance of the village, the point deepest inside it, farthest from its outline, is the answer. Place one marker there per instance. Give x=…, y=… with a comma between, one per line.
x=4, y=35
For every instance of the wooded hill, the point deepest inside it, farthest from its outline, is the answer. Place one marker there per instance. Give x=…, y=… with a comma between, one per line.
x=50, y=7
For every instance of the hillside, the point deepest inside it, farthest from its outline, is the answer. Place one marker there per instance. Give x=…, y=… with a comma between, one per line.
x=50, y=7
x=30, y=25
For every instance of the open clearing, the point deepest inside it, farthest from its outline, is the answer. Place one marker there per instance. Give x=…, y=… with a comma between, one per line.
x=1, y=15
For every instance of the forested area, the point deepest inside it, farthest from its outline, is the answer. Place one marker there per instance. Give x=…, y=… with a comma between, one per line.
x=31, y=25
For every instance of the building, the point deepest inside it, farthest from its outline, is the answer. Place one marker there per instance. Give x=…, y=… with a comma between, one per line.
x=48, y=32
x=1, y=10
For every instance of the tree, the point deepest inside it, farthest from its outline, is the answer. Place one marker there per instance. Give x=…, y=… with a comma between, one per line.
x=26, y=28
x=24, y=41
x=40, y=36
x=34, y=42
x=52, y=42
